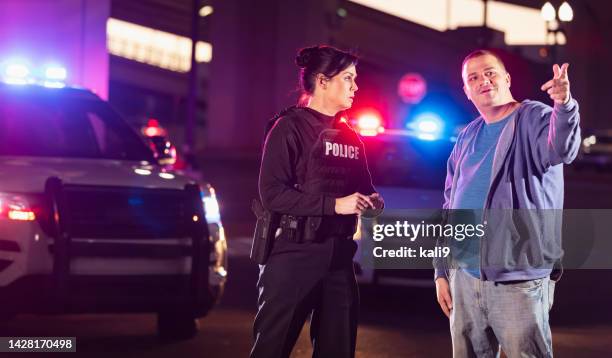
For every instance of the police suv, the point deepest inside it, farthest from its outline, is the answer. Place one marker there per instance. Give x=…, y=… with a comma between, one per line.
x=408, y=169
x=91, y=222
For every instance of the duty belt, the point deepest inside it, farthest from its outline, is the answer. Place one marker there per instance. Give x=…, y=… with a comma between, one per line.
x=292, y=227
x=309, y=228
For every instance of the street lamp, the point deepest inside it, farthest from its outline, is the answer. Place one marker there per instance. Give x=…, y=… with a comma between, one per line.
x=554, y=19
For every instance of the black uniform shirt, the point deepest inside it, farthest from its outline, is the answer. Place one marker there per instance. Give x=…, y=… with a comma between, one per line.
x=286, y=153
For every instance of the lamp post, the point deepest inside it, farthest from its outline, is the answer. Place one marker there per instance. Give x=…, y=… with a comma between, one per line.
x=554, y=19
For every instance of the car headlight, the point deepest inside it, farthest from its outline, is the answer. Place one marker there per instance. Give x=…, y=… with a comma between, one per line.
x=14, y=207
x=211, y=206
x=589, y=141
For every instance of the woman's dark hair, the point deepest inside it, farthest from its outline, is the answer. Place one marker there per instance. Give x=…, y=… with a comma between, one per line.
x=326, y=60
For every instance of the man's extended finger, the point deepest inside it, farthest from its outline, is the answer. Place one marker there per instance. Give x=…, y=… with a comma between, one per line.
x=556, y=71
x=564, y=68
x=547, y=85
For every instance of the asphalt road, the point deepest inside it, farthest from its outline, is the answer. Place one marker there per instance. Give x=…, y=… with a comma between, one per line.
x=395, y=322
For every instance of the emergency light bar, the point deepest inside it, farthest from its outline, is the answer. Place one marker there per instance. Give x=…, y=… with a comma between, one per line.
x=19, y=73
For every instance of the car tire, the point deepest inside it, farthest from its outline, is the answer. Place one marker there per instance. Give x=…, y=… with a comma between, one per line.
x=176, y=325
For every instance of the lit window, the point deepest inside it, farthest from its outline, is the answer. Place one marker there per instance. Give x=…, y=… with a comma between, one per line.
x=153, y=47
x=522, y=25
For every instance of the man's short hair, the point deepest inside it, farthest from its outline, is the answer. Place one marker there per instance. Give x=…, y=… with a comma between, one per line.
x=482, y=52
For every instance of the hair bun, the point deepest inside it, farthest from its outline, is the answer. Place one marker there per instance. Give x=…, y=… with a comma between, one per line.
x=305, y=55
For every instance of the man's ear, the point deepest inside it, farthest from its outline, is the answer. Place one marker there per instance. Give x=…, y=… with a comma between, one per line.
x=508, y=79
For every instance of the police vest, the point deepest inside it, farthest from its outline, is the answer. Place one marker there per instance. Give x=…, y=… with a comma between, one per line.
x=335, y=163
x=335, y=168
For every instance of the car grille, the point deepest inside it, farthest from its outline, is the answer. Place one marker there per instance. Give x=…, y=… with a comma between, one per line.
x=116, y=212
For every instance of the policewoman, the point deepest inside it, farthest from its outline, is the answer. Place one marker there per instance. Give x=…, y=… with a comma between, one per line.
x=314, y=174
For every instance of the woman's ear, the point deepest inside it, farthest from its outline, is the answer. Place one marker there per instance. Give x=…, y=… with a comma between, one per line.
x=322, y=80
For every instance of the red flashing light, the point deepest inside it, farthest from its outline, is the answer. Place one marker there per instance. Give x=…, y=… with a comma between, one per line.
x=21, y=215
x=153, y=123
x=153, y=129
x=369, y=124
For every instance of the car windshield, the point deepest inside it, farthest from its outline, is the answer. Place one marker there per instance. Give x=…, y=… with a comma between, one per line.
x=62, y=126
x=408, y=162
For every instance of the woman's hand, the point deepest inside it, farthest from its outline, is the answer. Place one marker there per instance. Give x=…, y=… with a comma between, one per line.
x=377, y=209
x=378, y=201
x=355, y=203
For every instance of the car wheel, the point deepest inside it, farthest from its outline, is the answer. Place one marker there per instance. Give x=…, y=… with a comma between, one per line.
x=176, y=325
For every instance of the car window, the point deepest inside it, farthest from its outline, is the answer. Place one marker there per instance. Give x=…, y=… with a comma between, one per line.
x=60, y=127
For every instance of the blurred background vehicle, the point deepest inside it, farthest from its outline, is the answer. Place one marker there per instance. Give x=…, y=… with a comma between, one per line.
x=408, y=168
x=94, y=220
x=596, y=151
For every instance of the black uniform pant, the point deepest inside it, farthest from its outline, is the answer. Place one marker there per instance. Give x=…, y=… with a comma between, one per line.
x=299, y=280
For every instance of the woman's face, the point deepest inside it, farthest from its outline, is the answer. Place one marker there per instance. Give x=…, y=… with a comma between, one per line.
x=339, y=91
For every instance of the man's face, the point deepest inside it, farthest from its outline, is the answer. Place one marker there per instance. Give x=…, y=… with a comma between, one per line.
x=341, y=88
x=485, y=82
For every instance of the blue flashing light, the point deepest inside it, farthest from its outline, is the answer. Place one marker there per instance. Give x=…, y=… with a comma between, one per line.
x=16, y=73
x=55, y=73
x=427, y=126
x=19, y=72
x=426, y=136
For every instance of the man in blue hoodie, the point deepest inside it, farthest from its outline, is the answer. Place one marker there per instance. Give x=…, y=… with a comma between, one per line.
x=507, y=166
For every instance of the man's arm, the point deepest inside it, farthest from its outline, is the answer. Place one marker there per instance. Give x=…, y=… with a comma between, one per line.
x=561, y=141
x=443, y=293
x=439, y=263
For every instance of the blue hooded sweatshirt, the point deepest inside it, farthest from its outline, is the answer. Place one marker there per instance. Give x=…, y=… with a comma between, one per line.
x=525, y=196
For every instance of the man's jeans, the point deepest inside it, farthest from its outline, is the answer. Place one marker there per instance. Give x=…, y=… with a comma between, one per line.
x=512, y=315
